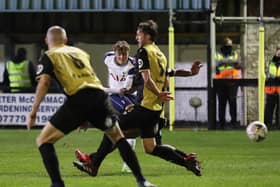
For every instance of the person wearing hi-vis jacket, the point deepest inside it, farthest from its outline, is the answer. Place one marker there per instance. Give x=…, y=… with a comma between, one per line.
x=228, y=66
x=19, y=74
x=272, y=91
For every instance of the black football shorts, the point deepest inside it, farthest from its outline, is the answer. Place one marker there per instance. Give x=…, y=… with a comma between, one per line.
x=142, y=119
x=88, y=104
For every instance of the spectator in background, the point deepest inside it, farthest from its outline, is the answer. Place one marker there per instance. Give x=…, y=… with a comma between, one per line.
x=272, y=91
x=19, y=74
x=228, y=66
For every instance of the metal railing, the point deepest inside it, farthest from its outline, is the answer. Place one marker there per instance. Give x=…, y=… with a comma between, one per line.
x=101, y=5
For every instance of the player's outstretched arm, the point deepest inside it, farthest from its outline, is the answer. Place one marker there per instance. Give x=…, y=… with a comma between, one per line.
x=41, y=91
x=186, y=73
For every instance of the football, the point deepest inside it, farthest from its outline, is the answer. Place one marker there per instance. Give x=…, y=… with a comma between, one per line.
x=256, y=131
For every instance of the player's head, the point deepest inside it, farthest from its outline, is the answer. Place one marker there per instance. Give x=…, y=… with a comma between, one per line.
x=226, y=49
x=21, y=55
x=121, y=49
x=146, y=32
x=56, y=36
x=227, y=41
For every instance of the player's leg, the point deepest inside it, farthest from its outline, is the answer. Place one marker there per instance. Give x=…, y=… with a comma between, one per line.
x=105, y=120
x=173, y=155
x=65, y=120
x=132, y=143
x=90, y=163
x=123, y=104
x=165, y=152
x=48, y=136
x=127, y=154
x=132, y=160
x=105, y=148
x=95, y=159
x=130, y=102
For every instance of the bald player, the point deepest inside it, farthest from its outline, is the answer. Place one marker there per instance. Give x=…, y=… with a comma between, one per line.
x=86, y=101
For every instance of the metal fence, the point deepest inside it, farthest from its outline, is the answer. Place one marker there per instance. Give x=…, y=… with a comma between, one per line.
x=100, y=5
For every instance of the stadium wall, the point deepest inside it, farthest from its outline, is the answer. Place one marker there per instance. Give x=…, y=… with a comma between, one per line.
x=272, y=38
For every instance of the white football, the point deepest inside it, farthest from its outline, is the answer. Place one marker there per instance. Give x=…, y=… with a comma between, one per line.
x=256, y=131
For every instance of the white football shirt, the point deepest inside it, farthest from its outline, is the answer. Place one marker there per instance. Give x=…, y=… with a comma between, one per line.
x=119, y=76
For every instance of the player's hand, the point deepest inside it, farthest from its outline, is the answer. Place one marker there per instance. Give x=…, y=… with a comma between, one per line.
x=129, y=107
x=31, y=120
x=165, y=96
x=123, y=91
x=196, y=67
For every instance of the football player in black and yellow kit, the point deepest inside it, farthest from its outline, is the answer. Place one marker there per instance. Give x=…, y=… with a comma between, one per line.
x=143, y=120
x=86, y=101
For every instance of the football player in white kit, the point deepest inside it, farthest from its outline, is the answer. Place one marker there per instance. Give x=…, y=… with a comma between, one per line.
x=121, y=72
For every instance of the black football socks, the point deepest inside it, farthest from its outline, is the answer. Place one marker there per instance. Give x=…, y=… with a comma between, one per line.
x=105, y=147
x=168, y=153
x=128, y=155
x=51, y=163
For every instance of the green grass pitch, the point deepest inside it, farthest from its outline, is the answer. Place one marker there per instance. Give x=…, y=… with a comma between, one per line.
x=228, y=158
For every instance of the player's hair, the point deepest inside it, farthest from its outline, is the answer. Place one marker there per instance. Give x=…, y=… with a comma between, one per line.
x=121, y=46
x=57, y=33
x=149, y=27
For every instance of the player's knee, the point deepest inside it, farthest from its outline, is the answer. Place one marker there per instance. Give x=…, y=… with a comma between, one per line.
x=111, y=121
x=149, y=149
x=49, y=134
x=114, y=133
x=39, y=141
x=116, y=136
x=149, y=144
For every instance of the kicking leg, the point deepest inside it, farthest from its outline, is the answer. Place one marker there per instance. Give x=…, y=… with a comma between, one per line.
x=90, y=163
x=169, y=153
x=115, y=135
